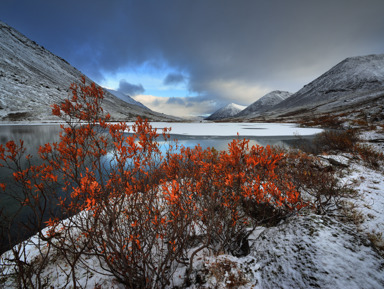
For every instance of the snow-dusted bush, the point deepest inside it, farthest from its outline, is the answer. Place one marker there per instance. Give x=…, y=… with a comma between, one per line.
x=336, y=141
x=315, y=180
x=370, y=156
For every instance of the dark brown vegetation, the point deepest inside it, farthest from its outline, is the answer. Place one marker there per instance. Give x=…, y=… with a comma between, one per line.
x=333, y=121
x=334, y=141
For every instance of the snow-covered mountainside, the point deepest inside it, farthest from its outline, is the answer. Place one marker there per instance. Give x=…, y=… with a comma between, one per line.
x=126, y=98
x=351, y=83
x=32, y=79
x=265, y=103
x=226, y=111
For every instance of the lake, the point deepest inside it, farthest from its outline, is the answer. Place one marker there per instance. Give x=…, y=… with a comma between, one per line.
x=206, y=134
x=216, y=135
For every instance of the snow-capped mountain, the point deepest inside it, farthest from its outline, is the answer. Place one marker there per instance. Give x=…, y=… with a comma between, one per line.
x=354, y=80
x=32, y=79
x=226, y=111
x=264, y=103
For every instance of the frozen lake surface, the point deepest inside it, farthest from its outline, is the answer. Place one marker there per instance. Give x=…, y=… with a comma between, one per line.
x=232, y=129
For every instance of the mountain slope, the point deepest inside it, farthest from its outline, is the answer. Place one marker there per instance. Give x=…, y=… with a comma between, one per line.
x=32, y=79
x=126, y=98
x=264, y=103
x=226, y=111
x=352, y=81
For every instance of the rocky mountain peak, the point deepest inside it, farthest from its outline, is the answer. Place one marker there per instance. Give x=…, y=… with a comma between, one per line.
x=226, y=111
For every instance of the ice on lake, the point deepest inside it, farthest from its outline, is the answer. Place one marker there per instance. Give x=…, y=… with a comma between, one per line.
x=232, y=129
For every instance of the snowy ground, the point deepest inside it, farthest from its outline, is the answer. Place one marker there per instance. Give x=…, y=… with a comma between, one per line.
x=312, y=251
x=304, y=251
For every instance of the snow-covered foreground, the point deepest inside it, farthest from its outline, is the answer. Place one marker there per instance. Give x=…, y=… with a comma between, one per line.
x=303, y=251
x=232, y=129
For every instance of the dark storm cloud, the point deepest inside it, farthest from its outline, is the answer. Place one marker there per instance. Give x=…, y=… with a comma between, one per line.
x=130, y=89
x=174, y=79
x=176, y=100
x=274, y=44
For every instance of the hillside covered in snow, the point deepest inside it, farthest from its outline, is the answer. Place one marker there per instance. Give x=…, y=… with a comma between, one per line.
x=32, y=79
x=264, y=103
x=355, y=85
x=352, y=76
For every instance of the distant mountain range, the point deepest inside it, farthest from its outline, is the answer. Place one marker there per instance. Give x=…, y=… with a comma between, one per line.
x=32, y=79
x=227, y=111
x=355, y=85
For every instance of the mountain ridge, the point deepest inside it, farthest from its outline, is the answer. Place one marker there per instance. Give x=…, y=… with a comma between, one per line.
x=264, y=103
x=33, y=78
x=345, y=82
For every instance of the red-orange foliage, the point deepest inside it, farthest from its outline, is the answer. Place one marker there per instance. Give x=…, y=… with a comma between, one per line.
x=220, y=186
x=141, y=209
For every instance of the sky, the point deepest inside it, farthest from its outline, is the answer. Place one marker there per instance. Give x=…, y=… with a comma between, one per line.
x=192, y=57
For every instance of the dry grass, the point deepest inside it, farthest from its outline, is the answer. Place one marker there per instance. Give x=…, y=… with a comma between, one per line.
x=227, y=272
x=333, y=121
x=370, y=156
x=377, y=241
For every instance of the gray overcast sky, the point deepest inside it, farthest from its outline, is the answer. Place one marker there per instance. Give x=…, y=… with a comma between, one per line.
x=191, y=57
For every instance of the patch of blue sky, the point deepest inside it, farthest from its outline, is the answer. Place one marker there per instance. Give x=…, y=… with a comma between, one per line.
x=150, y=77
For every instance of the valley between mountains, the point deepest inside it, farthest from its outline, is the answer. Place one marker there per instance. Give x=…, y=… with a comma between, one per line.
x=336, y=243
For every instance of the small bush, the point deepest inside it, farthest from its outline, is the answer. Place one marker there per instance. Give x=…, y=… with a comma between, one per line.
x=336, y=141
x=315, y=180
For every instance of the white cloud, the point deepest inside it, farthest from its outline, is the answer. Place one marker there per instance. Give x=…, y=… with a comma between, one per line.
x=238, y=92
x=225, y=91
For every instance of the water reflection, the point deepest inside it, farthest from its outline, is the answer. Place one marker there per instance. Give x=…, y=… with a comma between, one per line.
x=33, y=136
x=221, y=143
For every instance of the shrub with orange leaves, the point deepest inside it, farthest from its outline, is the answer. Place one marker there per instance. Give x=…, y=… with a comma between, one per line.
x=136, y=209
x=226, y=189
